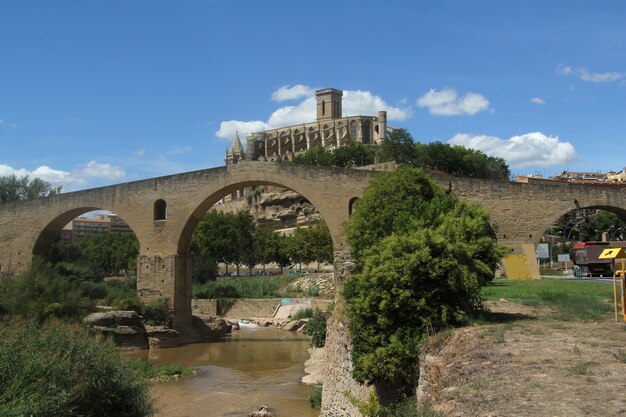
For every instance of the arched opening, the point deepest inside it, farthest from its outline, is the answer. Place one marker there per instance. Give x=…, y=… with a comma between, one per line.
x=352, y=205
x=96, y=251
x=224, y=243
x=571, y=245
x=160, y=210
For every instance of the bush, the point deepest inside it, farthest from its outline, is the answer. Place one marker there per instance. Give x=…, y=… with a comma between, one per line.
x=94, y=290
x=315, y=396
x=157, y=313
x=316, y=328
x=41, y=292
x=61, y=370
x=421, y=259
x=304, y=313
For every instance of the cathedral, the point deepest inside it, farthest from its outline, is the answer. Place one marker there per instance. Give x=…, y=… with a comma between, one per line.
x=330, y=130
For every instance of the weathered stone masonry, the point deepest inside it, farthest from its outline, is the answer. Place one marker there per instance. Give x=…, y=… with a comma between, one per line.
x=163, y=213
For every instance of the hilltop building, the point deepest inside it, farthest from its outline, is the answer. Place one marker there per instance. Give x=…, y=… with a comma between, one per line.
x=330, y=130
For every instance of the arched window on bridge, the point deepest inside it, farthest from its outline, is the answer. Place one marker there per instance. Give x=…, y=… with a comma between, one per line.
x=160, y=210
x=352, y=205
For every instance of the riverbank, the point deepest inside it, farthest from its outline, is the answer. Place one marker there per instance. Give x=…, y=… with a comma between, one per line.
x=526, y=364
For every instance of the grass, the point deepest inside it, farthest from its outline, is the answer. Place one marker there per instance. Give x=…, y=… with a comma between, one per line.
x=149, y=370
x=243, y=287
x=620, y=355
x=581, y=368
x=570, y=300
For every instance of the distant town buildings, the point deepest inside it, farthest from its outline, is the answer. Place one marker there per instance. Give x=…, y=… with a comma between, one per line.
x=81, y=227
x=609, y=178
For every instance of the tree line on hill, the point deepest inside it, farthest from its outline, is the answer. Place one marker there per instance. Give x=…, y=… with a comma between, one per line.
x=400, y=147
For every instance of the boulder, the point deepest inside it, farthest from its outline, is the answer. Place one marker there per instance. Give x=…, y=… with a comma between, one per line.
x=160, y=337
x=124, y=327
x=125, y=337
x=114, y=318
x=293, y=325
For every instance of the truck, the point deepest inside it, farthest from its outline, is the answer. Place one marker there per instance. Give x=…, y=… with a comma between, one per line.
x=586, y=258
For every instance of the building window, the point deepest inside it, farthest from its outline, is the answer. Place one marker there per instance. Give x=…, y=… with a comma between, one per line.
x=160, y=210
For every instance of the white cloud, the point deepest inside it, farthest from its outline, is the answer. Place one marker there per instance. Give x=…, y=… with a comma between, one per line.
x=292, y=93
x=355, y=102
x=140, y=152
x=94, y=169
x=228, y=128
x=537, y=100
x=594, y=77
x=531, y=149
x=447, y=103
x=80, y=176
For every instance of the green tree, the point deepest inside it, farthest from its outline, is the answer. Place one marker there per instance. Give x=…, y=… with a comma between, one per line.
x=14, y=188
x=110, y=254
x=351, y=155
x=421, y=258
x=399, y=147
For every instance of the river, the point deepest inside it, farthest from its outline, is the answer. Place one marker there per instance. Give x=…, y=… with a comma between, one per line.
x=248, y=369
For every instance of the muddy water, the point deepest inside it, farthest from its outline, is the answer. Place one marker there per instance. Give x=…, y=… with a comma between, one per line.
x=252, y=367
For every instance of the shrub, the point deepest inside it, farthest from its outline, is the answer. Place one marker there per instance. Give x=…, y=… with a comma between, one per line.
x=421, y=259
x=157, y=313
x=57, y=369
x=316, y=328
x=41, y=292
x=315, y=396
x=94, y=290
x=304, y=313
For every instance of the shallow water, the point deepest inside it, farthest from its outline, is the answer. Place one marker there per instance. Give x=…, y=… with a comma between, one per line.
x=251, y=368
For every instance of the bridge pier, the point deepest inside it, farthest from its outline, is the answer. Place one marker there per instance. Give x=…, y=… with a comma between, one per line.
x=166, y=277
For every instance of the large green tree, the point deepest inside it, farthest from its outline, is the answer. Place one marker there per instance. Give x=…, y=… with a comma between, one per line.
x=13, y=188
x=421, y=256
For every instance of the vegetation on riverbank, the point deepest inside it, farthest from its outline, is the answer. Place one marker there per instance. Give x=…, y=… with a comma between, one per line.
x=421, y=258
x=57, y=369
x=244, y=287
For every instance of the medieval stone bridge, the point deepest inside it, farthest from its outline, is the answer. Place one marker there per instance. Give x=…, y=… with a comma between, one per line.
x=163, y=213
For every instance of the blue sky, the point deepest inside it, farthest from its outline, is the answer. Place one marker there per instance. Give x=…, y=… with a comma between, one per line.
x=95, y=93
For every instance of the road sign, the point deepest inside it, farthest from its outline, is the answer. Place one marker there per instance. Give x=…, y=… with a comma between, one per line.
x=543, y=251
x=563, y=257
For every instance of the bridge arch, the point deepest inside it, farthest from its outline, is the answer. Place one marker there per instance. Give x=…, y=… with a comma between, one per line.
x=205, y=205
x=49, y=233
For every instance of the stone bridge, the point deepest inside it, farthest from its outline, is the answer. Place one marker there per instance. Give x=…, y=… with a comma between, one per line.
x=163, y=213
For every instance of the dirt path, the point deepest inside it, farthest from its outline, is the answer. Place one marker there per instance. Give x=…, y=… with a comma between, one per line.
x=527, y=366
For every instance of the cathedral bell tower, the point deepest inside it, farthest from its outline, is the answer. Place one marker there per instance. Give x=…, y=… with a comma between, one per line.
x=328, y=104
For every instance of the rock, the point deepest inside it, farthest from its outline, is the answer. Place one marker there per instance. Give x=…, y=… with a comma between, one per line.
x=160, y=337
x=263, y=412
x=111, y=318
x=125, y=337
x=210, y=328
x=294, y=325
x=314, y=367
x=124, y=327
